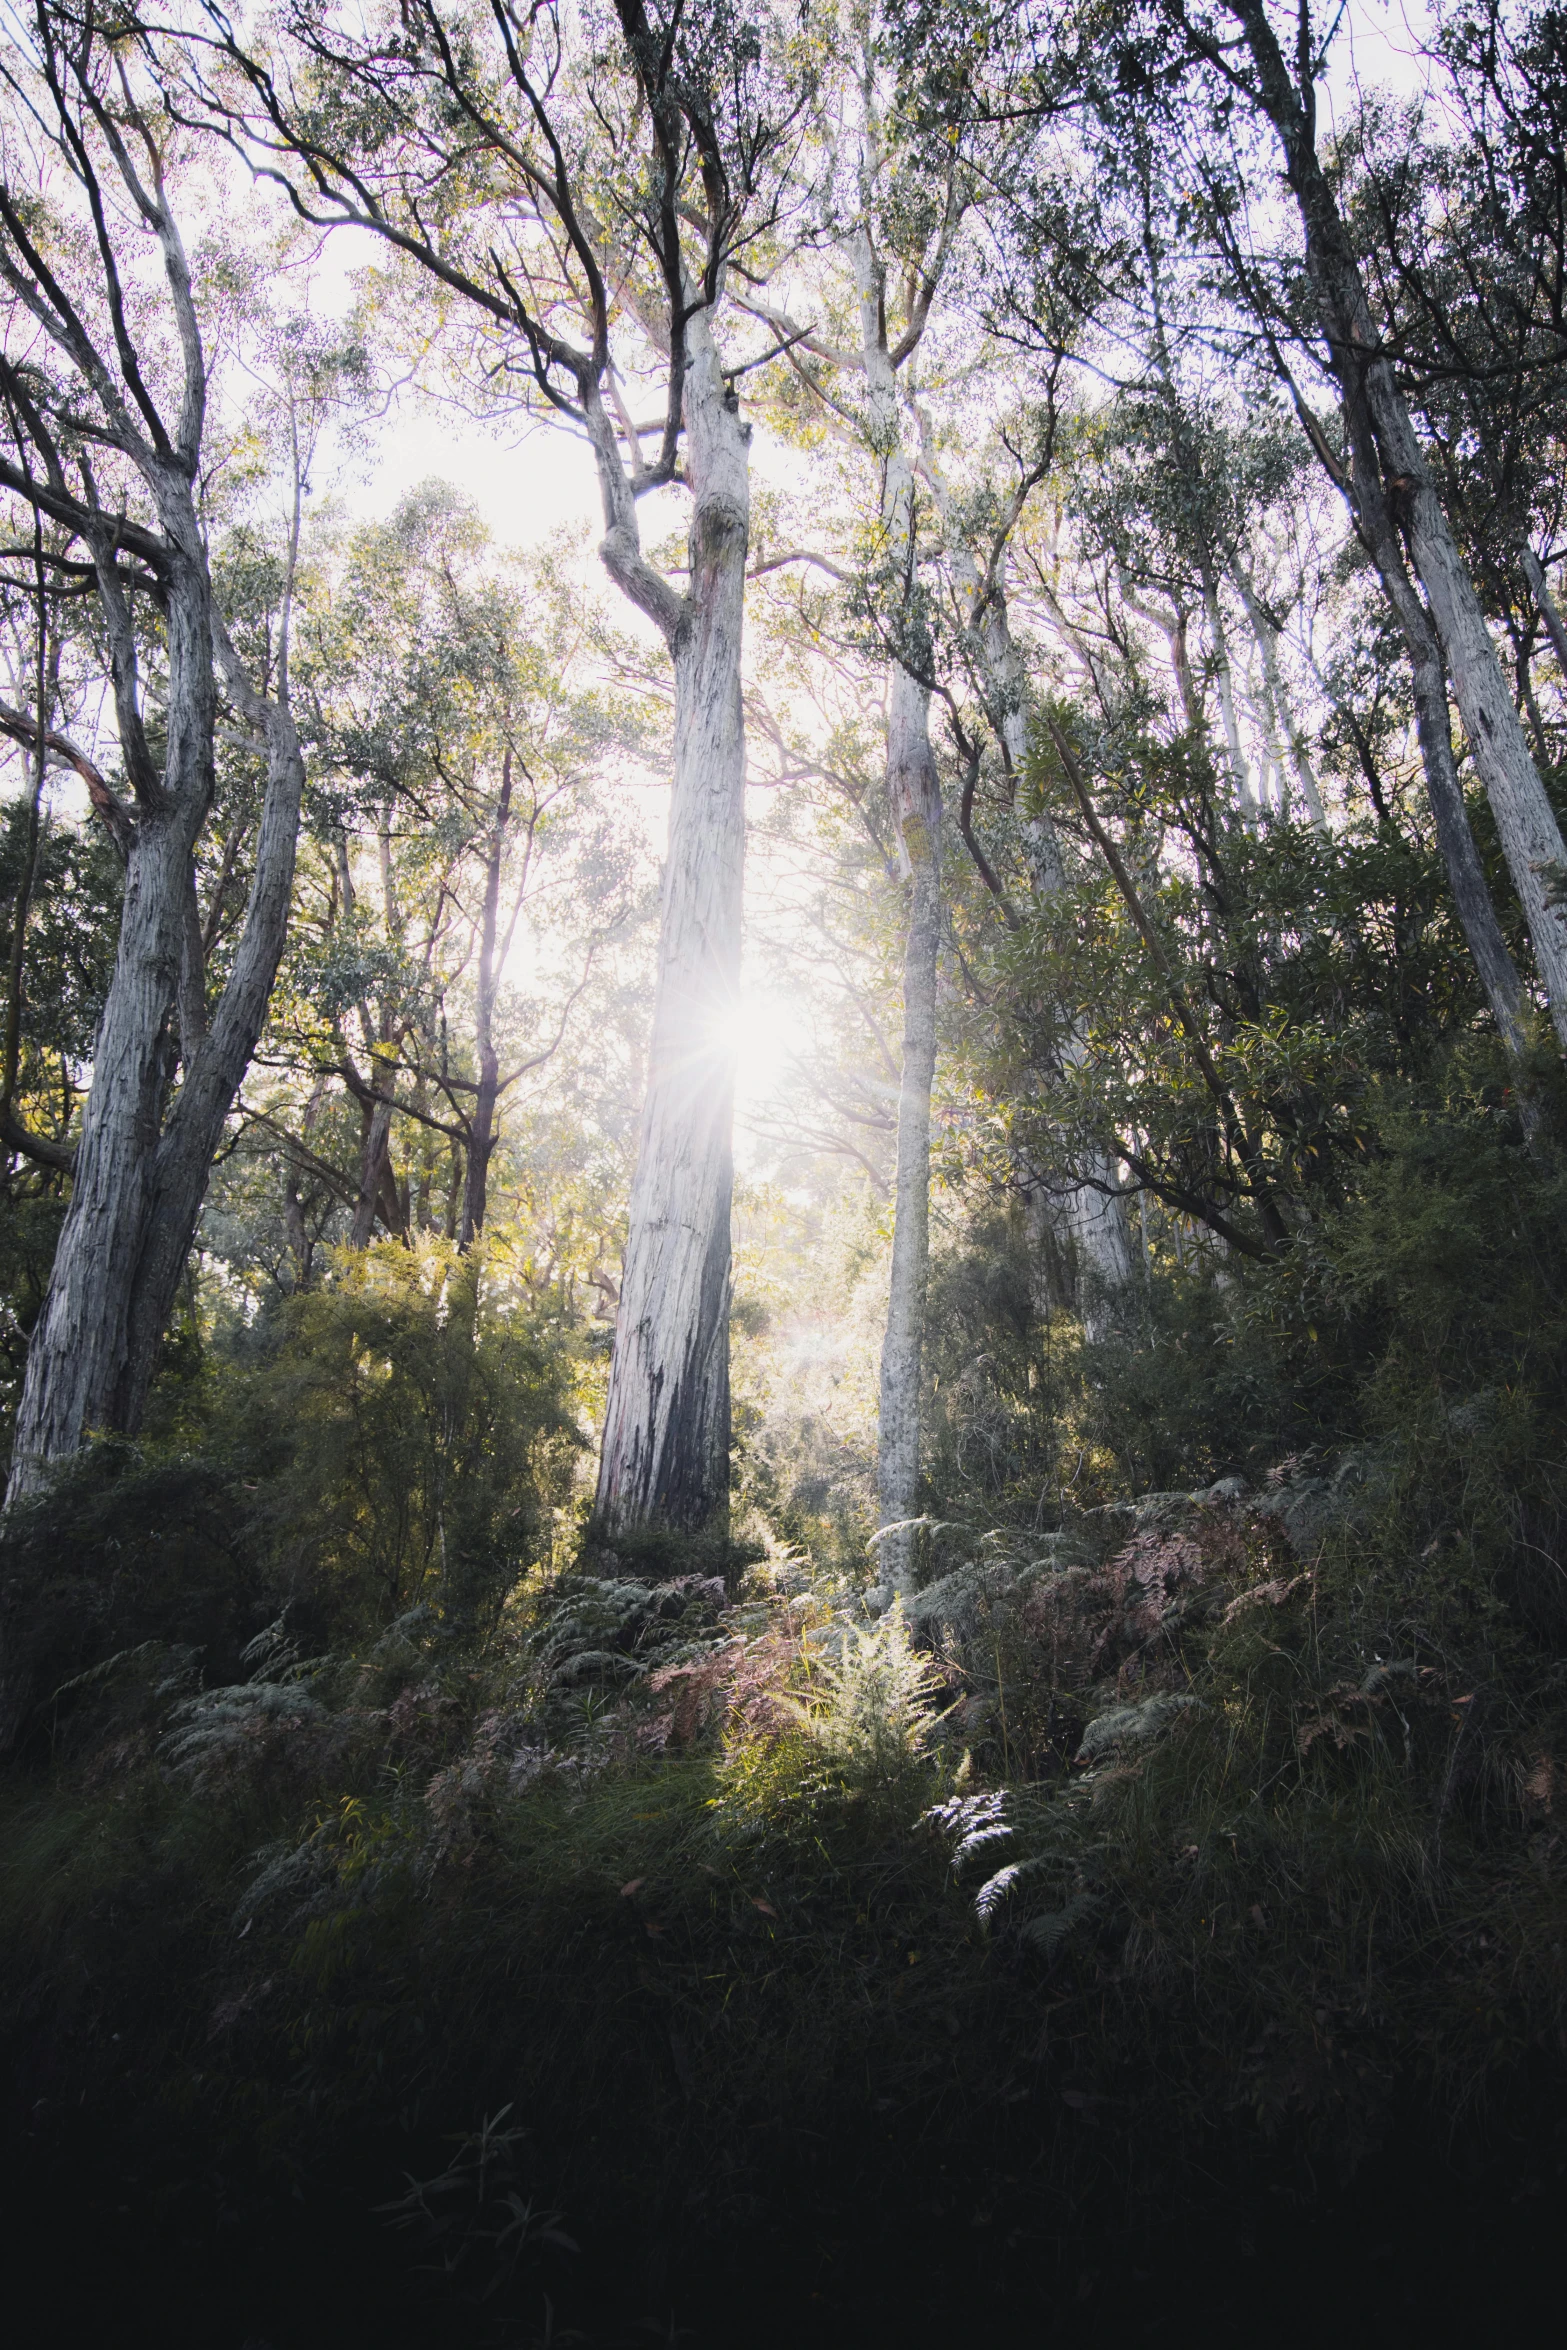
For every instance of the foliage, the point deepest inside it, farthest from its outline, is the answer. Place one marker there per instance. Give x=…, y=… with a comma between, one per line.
x=588, y=1925
x=401, y=1439
x=429, y=1432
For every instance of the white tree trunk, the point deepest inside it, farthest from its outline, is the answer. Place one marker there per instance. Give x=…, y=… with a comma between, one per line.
x=1240, y=777
x=1428, y=685
x=665, y=1456
x=80, y=1344
x=1530, y=836
x=916, y=799
x=1539, y=587
x=140, y=1177
x=1279, y=697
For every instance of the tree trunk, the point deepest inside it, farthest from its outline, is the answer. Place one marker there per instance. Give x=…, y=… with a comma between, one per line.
x=1267, y=637
x=194, y=1126
x=79, y=1354
x=1539, y=588
x=300, y=1245
x=1090, y=1216
x=916, y=799
x=375, y=1136
x=79, y=1351
x=1428, y=684
x=1531, y=838
x=140, y=1178
x=45, y=678
x=1240, y=778
x=665, y=1457
x=481, y=1133
x=1465, y=874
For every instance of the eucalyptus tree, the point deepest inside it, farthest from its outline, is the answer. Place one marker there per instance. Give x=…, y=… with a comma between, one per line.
x=1135, y=73
x=579, y=189
x=1458, y=206
x=60, y=892
x=105, y=373
x=884, y=256
x=1241, y=78
x=1364, y=470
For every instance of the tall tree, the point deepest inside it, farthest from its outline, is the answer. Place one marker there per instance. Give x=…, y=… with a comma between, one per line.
x=579, y=189
x=1245, y=58
x=105, y=374
x=893, y=209
x=1461, y=210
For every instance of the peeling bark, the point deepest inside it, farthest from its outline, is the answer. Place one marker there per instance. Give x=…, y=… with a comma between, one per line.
x=665, y=1456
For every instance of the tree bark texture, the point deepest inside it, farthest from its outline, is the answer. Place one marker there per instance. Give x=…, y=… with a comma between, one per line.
x=374, y=1161
x=1433, y=724
x=146, y=1146
x=1531, y=838
x=1240, y=775
x=1539, y=588
x=1267, y=637
x=665, y=1457
x=141, y=1175
x=912, y=783
x=914, y=800
x=481, y=1135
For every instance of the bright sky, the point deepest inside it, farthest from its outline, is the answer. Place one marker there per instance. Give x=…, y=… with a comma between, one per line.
x=530, y=485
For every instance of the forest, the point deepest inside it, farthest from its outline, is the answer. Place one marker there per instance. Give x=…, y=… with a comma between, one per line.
x=783, y=1170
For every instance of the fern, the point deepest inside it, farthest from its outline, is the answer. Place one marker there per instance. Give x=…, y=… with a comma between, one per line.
x=1129, y=1725
x=871, y=1711
x=471, y=2215
x=1047, y=1929
x=218, y=1724
x=979, y=1822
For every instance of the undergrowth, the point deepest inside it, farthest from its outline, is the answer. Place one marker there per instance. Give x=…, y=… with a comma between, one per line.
x=1158, y=1836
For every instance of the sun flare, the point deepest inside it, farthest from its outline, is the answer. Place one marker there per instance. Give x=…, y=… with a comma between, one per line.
x=766, y=1033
